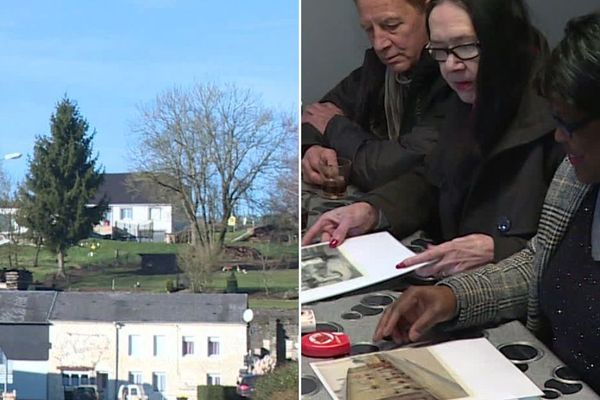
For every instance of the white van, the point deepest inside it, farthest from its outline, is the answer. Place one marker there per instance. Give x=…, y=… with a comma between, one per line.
x=131, y=391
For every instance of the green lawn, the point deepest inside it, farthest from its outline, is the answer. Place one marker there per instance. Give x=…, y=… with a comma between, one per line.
x=106, y=253
x=272, y=303
x=125, y=278
x=116, y=265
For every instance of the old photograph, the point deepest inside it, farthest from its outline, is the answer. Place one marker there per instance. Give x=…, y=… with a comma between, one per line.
x=322, y=266
x=404, y=374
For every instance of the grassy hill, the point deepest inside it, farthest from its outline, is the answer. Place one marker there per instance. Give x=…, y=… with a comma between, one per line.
x=115, y=265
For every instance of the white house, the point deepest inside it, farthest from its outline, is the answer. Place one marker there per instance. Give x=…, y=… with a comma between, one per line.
x=169, y=343
x=135, y=207
x=8, y=225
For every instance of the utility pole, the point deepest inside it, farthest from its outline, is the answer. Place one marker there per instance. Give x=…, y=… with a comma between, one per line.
x=118, y=326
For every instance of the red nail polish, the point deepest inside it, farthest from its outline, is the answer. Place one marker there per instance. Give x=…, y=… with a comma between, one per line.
x=401, y=265
x=333, y=243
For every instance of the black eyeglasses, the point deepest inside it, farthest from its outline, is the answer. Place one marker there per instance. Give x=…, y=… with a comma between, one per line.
x=571, y=127
x=463, y=52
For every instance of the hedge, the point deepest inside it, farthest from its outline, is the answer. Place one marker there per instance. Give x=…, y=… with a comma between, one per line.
x=216, y=392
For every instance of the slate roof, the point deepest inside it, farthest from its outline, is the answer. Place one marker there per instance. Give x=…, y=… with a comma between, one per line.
x=145, y=307
x=119, y=189
x=40, y=307
x=25, y=307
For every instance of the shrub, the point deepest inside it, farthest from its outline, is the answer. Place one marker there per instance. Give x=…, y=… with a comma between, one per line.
x=170, y=286
x=281, y=384
x=216, y=392
x=232, y=283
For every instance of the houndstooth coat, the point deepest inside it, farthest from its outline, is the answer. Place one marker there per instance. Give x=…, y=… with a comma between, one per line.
x=509, y=289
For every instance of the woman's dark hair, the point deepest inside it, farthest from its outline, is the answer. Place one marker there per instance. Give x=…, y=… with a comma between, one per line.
x=572, y=74
x=508, y=47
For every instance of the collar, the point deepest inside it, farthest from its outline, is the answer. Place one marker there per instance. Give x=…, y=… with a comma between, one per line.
x=425, y=71
x=532, y=122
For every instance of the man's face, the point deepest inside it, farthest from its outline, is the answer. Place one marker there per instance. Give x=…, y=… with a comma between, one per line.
x=396, y=30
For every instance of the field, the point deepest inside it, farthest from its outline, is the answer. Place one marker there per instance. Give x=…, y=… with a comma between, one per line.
x=115, y=265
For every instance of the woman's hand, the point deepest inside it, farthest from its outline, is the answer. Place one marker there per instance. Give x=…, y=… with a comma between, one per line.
x=454, y=256
x=415, y=312
x=335, y=225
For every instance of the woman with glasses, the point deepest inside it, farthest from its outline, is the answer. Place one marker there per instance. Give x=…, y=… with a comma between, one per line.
x=481, y=194
x=553, y=282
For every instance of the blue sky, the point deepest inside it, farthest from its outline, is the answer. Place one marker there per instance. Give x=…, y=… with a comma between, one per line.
x=113, y=56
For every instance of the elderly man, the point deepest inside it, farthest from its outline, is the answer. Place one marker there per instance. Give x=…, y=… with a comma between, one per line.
x=385, y=115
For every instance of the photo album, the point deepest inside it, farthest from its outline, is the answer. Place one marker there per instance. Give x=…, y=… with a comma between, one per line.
x=458, y=370
x=358, y=262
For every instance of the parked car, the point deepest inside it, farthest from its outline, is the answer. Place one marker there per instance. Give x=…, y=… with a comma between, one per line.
x=247, y=386
x=86, y=392
x=131, y=391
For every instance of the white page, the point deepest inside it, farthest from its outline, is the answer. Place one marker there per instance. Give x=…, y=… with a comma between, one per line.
x=374, y=256
x=485, y=371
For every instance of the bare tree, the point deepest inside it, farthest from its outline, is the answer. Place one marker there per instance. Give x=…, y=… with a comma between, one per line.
x=6, y=217
x=212, y=146
x=198, y=263
x=8, y=226
x=283, y=201
x=267, y=266
x=4, y=183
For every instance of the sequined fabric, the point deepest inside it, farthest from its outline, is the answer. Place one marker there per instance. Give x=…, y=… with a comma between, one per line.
x=570, y=297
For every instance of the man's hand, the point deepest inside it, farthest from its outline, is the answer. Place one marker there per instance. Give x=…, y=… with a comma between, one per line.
x=313, y=157
x=454, y=256
x=415, y=312
x=335, y=225
x=319, y=115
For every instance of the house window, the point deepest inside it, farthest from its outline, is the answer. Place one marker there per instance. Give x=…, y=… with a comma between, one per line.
x=154, y=213
x=187, y=345
x=1, y=357
x=134, y=345
x=159, y=345
x=72, y=379
x=159, y=381
x=214, y=346
x=107, y=216
x=126, y=213
x=135, y=377
x=213, y=379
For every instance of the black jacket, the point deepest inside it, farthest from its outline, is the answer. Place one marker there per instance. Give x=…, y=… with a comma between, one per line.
x=503, y=197
x=361, y=134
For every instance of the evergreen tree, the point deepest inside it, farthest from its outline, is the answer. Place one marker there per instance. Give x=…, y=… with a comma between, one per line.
x=62, y=183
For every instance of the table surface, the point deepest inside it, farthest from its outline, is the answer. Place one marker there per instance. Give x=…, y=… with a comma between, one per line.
x=314, y=204
x=361, y=330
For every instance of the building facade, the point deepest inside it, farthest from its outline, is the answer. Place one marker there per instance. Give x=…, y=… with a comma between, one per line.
x=167, y=343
